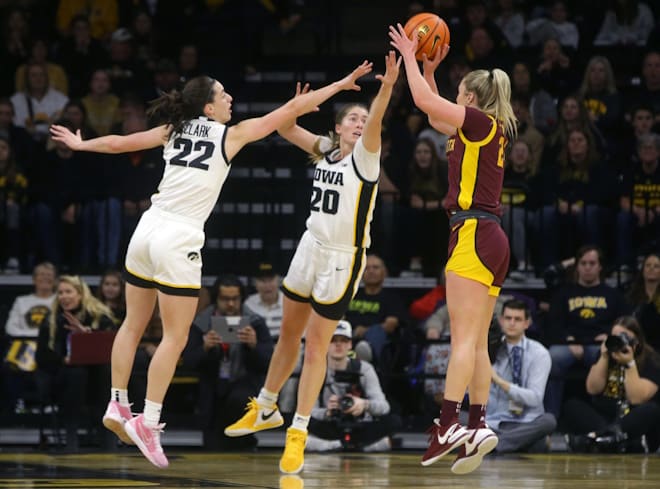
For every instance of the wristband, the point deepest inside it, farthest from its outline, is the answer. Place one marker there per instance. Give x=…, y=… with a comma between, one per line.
x=630, y=364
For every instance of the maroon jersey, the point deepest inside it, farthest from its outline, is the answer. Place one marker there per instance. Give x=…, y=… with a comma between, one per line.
x=476, y=164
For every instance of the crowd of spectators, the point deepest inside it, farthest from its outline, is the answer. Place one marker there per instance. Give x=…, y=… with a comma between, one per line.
x=582, y=179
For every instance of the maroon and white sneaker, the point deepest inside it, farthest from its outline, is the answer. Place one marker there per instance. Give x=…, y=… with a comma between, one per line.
x=481, y=442
x=443, y=439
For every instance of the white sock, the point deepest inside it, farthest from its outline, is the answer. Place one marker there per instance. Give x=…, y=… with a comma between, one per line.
x=300, y=422
x=120, y=395
x=151, y=413
x=266, y=397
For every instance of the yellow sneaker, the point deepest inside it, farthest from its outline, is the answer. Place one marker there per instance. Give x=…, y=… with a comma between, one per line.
x=291, y=482
x=293, y=458
x=257, y=418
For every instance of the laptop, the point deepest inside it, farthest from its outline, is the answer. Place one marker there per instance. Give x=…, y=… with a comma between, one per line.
x=93, y=348
x=227, y=327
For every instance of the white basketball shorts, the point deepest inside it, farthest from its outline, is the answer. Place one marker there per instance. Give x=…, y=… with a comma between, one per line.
x=165, y=253
x=324, y=275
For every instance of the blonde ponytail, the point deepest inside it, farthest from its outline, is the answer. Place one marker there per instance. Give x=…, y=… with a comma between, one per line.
x=493, y=92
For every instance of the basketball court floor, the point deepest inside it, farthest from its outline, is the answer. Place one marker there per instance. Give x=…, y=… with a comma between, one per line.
x=127, y=469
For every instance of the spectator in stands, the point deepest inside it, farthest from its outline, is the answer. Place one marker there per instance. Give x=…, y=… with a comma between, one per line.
x=554, y=70
x=577, y=193
x=19, y=139
x=145, y=39
x=188, y=62
x=76, y=113
x=626, y=23
x=527, y=131
x=165, y=79
x=101, y=104
x=267, y=301
x=511, y=22
x=643, y=297
x=638, y=220
x=103, y=16
x=74, y=311
x=375, y=312
x=541, y=105
x=14, y=50
x=425, y=222
x=517, y=202
x=126, y=72
x=39, y=51
x=53, y=215
x=38, y=105
x=480, y=50
x=520, y=373
x=229, y=372
x=624, y=384
x=648, y=92
x=13, y=200
x=580, y=317
x=556, y=25
x=602, y=100
x=572, y=115
x=80, y=55
x=352, y=412
x=25, y=317
x=640, y=124
x=111, y=292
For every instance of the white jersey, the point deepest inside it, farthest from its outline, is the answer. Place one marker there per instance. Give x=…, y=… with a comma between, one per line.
x=196, y=167
x=343, y=197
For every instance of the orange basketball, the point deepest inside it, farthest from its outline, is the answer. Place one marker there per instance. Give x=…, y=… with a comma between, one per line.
x=431, y=32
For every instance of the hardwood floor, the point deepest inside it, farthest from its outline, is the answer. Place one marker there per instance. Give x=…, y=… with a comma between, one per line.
x=128, y=469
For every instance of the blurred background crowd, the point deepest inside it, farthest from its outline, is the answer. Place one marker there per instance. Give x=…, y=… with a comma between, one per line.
x=581, y=202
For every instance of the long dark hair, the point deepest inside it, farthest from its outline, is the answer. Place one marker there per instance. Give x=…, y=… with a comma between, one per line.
x=637, y=294
x=643, y=351
x=178, y=107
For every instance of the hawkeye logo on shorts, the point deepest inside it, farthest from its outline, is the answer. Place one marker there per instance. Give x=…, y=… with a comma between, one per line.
x=193, y=256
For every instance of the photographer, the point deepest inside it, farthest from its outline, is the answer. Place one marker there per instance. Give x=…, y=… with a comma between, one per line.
x=624, y=385
x=352, y=411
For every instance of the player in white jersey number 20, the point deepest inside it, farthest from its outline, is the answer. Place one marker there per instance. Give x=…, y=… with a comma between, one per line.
x=326, y=268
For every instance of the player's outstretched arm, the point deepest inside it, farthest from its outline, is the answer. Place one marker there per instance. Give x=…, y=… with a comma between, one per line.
x=258, y=128
x=373, y=126
x=447, y=115
x=113, y=143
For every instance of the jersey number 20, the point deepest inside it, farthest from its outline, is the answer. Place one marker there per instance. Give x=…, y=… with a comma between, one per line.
x=326, y=201
x=187, y=147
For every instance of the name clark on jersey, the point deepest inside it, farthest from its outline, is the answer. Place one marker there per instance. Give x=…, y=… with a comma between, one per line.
x=328, y=176
x=199, y=130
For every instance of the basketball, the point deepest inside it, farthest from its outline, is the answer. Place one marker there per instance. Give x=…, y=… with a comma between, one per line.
x=431, y=32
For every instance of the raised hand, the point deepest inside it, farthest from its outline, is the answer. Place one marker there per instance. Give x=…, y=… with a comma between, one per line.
x=430, y=65
x=402, y=42
x=392, y=65
x=64, y=135
x=348, y=82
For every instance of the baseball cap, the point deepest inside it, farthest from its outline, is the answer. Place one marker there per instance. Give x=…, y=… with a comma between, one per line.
x=265, y=270
x=344, y=329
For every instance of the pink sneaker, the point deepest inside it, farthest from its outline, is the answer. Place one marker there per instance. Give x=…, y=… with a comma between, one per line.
x=114, y=418
x=147, y=440
x=482, y=441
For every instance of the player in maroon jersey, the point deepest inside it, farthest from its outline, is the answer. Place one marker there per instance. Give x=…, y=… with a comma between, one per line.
x=479, y=125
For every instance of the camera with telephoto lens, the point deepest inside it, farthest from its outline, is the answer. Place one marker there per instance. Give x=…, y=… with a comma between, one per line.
x=618, y=342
